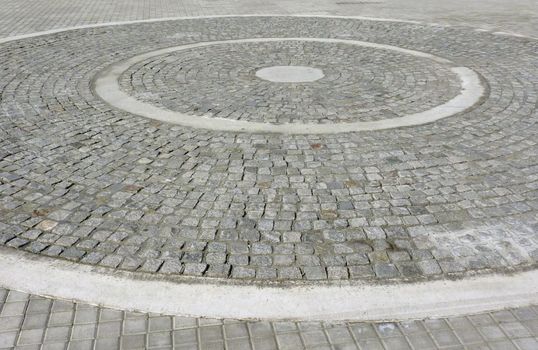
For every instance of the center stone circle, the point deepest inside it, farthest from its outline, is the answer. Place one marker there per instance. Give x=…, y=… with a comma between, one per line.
x=290, y=74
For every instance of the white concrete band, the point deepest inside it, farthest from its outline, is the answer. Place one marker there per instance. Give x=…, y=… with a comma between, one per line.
x=165, y=19
x=203, y=297
x=107, y=87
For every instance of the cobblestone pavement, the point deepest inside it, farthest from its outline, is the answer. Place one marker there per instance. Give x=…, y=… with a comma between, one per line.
x=86, y=182
x=32, y=322
x=82, y=181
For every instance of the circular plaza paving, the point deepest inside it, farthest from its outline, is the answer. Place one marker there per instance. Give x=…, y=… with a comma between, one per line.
x=454, y=192
x=359, y=83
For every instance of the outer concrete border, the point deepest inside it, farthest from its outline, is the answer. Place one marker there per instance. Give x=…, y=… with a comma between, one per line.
x=107, y=86
x=203, y=297
x=164, y=19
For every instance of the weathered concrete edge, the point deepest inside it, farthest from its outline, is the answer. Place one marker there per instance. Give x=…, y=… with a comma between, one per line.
x=164, y=19
x=360, y=302
x=107, y=87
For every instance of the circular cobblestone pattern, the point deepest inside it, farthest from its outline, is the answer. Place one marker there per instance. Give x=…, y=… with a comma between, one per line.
x=84, y=181
x=359, y=83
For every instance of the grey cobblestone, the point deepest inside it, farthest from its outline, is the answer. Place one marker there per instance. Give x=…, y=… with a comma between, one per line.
x=115, y=190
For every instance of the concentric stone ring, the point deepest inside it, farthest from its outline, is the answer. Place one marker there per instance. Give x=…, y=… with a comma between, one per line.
x=108, y=87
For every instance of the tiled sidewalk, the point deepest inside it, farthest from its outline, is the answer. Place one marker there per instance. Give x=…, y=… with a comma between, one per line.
x=32, y=322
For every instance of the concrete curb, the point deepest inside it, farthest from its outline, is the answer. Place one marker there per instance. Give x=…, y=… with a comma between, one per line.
x=359, y=301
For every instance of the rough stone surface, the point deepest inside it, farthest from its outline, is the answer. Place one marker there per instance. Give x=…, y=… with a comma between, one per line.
x=80, y=180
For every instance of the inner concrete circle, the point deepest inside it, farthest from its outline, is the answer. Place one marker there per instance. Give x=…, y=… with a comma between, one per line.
x=360, y=83
x=290, y=74
x=107, y=85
